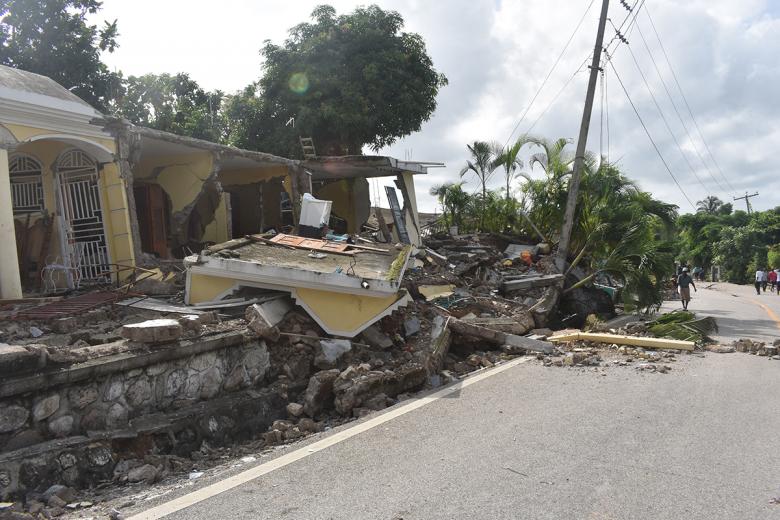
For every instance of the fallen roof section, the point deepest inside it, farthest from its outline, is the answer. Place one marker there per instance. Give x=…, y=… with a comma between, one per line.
x=344, y=293
x=363, y=166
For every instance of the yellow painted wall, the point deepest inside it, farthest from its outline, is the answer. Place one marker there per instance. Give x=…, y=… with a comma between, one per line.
x=113, y=199
x=217, y=230
x=181, y=176
x=344, y=312
x=204, y=288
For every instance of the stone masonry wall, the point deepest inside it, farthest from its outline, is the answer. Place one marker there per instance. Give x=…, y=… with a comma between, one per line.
x=64, y=423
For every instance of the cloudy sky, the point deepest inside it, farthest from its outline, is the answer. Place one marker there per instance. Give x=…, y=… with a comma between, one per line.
x=496, y=54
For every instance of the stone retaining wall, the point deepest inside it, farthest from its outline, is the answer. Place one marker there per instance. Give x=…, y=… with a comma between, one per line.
x=78, y=411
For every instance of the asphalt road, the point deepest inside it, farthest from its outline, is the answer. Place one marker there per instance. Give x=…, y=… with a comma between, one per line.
x=738, y=310
x=540, y=443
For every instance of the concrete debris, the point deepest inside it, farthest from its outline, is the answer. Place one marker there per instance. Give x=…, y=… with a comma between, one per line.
x=333, y=349
x=376, y=338
x=163, y=330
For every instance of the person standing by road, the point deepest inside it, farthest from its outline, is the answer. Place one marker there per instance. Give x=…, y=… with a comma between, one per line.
x=760, y=277
x=684, y=281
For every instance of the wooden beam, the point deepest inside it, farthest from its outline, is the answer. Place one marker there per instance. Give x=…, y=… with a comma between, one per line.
x=635, y=341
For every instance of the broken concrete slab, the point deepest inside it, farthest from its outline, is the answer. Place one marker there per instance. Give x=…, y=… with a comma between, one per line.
x=509, y=325
x=498, y=338
x=432, y=292
x=259, y=324
x=376, y=338
x=162, y=330
x=531, y=282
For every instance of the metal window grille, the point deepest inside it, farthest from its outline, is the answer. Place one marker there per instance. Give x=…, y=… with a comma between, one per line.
x=26, y=184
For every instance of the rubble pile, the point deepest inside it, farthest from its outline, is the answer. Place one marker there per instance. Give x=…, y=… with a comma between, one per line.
x=758, y=348
x=601, y=356
x=477, y=301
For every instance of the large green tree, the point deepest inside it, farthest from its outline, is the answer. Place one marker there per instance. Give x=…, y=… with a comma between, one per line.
x=347, y=81
x=173, y=103
x=53, y=38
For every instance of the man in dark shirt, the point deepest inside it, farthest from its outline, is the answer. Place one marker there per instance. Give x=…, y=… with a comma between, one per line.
x=683, y=282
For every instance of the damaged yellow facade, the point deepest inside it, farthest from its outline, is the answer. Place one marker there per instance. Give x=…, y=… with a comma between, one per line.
x=84, y=199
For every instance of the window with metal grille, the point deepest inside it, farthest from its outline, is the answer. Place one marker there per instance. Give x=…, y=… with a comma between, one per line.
x=26, y=184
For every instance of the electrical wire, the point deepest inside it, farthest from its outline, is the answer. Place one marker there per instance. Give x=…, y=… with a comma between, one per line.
x=685, y=100
x=663, y=118
x=676, y=110
x=650, y=137
x=552, y=69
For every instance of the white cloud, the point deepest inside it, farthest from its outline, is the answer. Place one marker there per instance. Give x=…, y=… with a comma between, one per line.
x=496, y=53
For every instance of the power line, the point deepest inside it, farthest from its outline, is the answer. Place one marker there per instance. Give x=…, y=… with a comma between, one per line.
x=685, y=100
x=676, y=111
x=544, y=82
x=663, y=118
x=650, y=137
x=556, y=96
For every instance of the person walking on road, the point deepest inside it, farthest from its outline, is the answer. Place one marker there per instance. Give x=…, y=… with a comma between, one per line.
x=760, y=277
x=684, y=281
x=772, y=279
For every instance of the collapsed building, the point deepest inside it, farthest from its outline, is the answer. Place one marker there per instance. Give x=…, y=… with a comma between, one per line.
x=161, y=294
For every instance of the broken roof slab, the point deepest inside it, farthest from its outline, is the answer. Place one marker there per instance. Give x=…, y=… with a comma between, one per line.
x=282, y=268
x=362, y=166
x=343, y=293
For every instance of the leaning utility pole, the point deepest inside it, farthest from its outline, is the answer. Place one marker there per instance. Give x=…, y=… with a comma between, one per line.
x=747, y=201
x=579, y=158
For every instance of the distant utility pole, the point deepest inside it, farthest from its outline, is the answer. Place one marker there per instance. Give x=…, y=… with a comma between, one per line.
x=747, y=201
x=579, y=158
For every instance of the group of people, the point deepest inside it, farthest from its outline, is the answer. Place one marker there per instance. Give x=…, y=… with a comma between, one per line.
x=767, y=277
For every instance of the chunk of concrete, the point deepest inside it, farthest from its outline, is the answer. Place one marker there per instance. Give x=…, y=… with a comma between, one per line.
x=319, y=393
x=15, y=359
x=162, y=330
x=411, y=326
x=376, y=338
x=333, y=349
x=261, y=322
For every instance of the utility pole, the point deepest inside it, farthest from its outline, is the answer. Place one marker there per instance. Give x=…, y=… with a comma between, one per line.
x=747, y=201
x=579, y=158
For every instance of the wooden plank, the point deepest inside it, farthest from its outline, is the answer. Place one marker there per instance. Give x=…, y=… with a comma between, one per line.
x=634, y=341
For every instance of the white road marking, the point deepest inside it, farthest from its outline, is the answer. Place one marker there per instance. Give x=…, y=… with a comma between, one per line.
x=258, y=471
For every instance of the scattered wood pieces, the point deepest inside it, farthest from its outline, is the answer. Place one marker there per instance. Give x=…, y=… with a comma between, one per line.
x=617, y=339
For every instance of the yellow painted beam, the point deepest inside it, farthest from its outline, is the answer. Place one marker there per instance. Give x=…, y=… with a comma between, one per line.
x=634, y=341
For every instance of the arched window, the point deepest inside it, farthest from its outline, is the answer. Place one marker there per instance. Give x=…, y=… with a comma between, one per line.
x=26, y=184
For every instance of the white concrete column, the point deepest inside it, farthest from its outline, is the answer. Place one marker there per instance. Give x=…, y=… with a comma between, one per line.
x=10, y=283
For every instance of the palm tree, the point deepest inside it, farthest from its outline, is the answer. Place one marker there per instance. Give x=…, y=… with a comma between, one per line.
x=509, y=159
x=710, y=204
x=482, y=165
x=454, y=202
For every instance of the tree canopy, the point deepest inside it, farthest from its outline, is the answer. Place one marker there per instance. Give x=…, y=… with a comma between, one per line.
x=349, y=80
x=173, y=103
x=52, y=38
